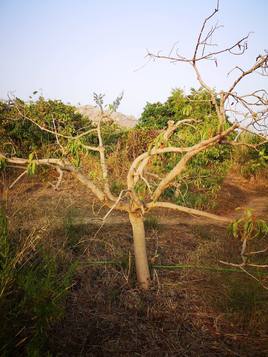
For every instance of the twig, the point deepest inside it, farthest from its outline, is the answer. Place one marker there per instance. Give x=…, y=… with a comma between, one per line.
x=115, y=204
x=253, y=277
x=17, y=179
x=60, y=172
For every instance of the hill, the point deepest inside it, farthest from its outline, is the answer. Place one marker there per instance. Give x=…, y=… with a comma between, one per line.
x=126, y=121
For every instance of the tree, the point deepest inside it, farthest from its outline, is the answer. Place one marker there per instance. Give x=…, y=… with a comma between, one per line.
x=24, y=135
x=156, y=115
x=178, y=106
x=140, y=194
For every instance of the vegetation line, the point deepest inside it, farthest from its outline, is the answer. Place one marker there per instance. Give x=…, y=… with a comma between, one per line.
x=176, y=266
x=102, y=262
x=200, y=267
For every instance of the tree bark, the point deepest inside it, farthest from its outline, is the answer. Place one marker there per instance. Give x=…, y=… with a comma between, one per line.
x=141, y=261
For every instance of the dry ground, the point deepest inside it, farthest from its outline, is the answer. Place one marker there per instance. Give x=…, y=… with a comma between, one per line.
x=188, y=312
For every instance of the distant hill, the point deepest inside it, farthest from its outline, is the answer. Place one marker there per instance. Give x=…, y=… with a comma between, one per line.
x=126, y=121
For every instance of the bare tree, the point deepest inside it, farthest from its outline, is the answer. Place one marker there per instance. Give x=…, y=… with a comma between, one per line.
x=249, y=111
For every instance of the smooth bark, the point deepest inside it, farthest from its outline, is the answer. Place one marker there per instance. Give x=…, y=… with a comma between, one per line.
x=141, y=261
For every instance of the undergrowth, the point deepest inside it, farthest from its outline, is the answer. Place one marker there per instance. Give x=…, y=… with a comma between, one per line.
x=34, y=285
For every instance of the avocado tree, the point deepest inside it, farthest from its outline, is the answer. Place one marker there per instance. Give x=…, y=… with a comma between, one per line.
x=144, y=189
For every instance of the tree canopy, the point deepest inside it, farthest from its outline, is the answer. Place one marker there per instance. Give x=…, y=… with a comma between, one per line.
x=178, y=106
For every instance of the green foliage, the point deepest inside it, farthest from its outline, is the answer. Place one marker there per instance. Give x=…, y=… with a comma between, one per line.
x=24, y=138
x=205, y=172
x=33, y=288
x=115, y=104
x=116, y=187
x=99, y=100
x=2, y=163
x=248, y=227
x=156, y=115
x=75, y=150
x=20, y=136
x=257, y=163
x=31, y=168
x=251, y=161
x=178, y=106
x=203, y=178
x=111, y=134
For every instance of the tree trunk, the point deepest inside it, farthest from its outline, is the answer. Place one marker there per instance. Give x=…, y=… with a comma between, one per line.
x=141, y=261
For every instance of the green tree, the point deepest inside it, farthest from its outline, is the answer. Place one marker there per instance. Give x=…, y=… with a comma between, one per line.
x=19, y=123
x=178, y=106
x=156, y=115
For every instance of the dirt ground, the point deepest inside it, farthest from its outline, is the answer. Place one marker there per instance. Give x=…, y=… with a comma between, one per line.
x=198, y=308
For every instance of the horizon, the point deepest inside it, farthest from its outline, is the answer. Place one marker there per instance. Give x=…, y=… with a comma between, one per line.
x=68, y=50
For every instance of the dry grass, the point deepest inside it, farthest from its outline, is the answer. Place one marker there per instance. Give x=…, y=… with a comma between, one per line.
x=187, y=312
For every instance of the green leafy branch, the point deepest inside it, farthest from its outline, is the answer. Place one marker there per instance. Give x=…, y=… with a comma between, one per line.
x=248, y=228
x=31, y=168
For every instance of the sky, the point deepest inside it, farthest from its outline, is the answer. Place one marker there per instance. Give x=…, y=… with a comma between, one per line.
x=68, y=49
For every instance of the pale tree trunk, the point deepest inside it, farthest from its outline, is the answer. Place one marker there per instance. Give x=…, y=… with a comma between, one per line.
x=141, y=261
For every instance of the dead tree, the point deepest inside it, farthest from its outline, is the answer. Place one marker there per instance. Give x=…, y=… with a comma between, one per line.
x=249, y=111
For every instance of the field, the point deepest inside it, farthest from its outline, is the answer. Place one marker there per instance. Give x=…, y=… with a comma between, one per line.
x=195, y=306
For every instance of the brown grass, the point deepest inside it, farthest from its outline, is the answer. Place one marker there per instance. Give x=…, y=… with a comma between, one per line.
x=187, y=312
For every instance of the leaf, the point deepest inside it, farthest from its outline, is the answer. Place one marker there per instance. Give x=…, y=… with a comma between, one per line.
x=31, y=168
x=235, y=229
x=3, y=163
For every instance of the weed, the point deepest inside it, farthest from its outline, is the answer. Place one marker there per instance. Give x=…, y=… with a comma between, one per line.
x=151, y=222
x=33, y=287
x=246, y=302
x=116, y=187
x=71, y=231
x=244, y=298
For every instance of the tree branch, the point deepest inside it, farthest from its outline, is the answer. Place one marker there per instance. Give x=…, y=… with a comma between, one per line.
x=262, y=60
x=139, y=164
x=65, y=166
x=103, y=163
x=202, y=30
x=192, y=151
x=192, y=211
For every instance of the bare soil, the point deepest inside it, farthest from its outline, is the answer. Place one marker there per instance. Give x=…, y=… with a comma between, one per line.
x=194, y=310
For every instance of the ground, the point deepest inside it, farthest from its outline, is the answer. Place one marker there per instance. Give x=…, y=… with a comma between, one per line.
x=199, y=308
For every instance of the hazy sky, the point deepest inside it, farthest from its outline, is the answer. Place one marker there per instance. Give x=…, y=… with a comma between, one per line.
x=72, y=48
